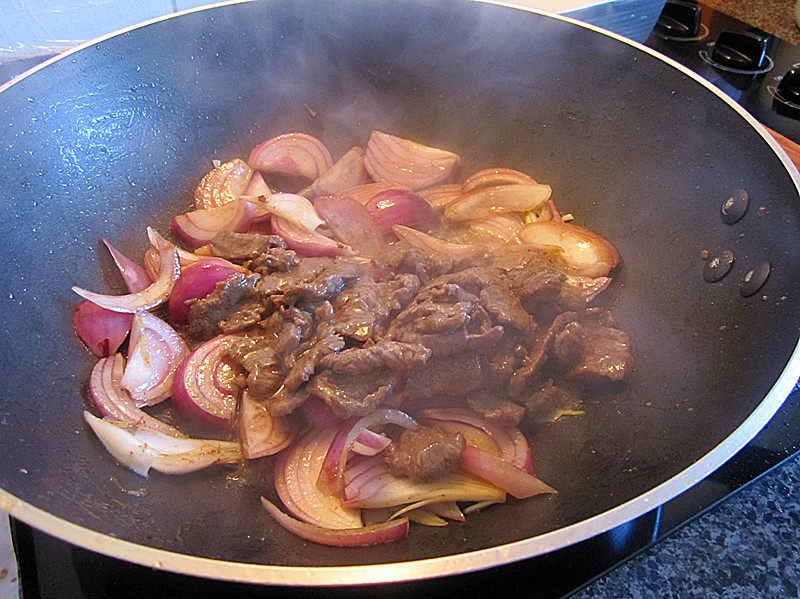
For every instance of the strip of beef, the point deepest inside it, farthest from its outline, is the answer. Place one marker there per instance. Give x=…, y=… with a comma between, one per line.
x=426, y=454
x=305, y=271
x=548, y=402
x=246, y=316
x=531, y=276
x=496, y=409
x=324, y=342
x=446, y=376
x=579, y=292
x=325, y=285
x=402, y=258
x=238, y=247
x=363, y=311
x=508, y=356
x=258, y=358
x=538, y=355
x=393, y=355
x=353, y=395
x=448, y=320
x=273, y=260
x=228, y=296
x=593, y=354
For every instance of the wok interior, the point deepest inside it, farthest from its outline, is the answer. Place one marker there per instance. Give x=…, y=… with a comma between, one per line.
x=114, y=137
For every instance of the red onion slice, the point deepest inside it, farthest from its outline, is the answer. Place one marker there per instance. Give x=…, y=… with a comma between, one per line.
x=155, y=295
x=353, y=537
x=584, y=252
x=348, y=172
x=115, y=403
x=364, y=193
x=296, y=472
x=292, y=208
x=370, y=443
x=196, y=282
x=196, y=391
x=497, y=200
x=222, y=185
x=101, y=330
x=442, y=195
x=494, y=176
x=293, y=154
x=154, y=355
x=198, y=228
x=500, y=473
x=351, y=223
x=141, y=449
x=317, y=414
x=447, y=509
x=433, y=245
x=261, y=433
x=374, y=486
x=499, y=226
x=397, y=207
x=304, y=243
x=391, y=159
x=256, y=187
x=331, y=477
x=136, y=277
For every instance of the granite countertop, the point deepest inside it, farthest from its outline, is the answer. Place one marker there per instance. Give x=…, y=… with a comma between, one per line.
x=773, y=16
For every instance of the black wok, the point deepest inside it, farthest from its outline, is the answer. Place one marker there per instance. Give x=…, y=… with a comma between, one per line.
x=113, y=137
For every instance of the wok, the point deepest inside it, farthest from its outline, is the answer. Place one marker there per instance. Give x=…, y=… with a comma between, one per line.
x=112, y=137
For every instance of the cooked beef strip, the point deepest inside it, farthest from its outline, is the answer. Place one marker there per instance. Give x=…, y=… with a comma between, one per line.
x=258, y=358
x=325, y=285
x=402, y=258
x=273, y=260
x=353, y=395
x=426, y=454
x=243, y=246
x=531, y=276
x=547, y=402
x=324, y=342
x=243, y=318
x=496, y=409
x=206, y=314
x=509, y=355
x=445, y=376
x=304, y=272
x=593, y=354
x=383, y=354
x=296, y=328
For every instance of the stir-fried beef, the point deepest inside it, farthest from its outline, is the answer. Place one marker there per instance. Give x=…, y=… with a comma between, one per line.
x=244, y=246
x=258, y=359
x=445, y=376
x=496, y=409
x=507, y=357
x=425, y=454
x=383, y=354
x=325, y=285
x=403, y=258
x=353, y=394
x=206, y=314
x=273, y=260
x=305, y=271
x=547, y=402
x=243, y=318
x=529, y=273
x=593, y=354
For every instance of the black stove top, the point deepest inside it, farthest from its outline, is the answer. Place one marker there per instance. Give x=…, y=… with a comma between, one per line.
x=722, y=50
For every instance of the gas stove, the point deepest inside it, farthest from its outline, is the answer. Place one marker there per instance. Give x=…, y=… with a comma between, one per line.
x=759, y=71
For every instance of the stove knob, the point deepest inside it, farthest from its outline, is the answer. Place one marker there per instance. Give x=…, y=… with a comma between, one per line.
x=789, y=87
x=743, y=50
x=679, y=19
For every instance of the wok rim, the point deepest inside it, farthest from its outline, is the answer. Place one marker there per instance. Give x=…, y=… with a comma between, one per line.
x=451, y=564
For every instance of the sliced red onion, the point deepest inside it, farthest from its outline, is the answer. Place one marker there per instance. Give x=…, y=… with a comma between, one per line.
x=152, y=264
x=441, y=195
x=351, y=223
x=115, y=403
x=447, y=509
x=331, y=477
x=101, y=330
x=292, y=208
x=391, y=159
x=499, y=226
x=374, y=486
x=256, y=187
x=293, y=154
x=136, y=277
x=348, y=172
x=196, y=391
x=433, y=245
x=140, y=448
x=304, y=243
x=497, y=200
x=353, y=537
x=154, y=354
x=588, y=288
x=585, y=253
x=500, y=473
x=296, y=472
x=364, y=193
x=155, y=295
x=494, y=176
x=196, y=282
x=261, y=433
x=423, y=516
x=198, y=228
x=223, y=184
x=370, y=443
x=397, y=207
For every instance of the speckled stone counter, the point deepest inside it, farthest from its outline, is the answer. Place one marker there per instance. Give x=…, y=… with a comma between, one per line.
x=773, y=16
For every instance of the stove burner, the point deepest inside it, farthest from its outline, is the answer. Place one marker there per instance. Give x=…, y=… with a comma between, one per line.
x=707, y=57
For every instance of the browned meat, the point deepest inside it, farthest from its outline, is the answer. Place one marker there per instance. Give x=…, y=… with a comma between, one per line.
x=243, y=246
x=258, y=359
x=324, y=342
x=383, y=354
x=495, y=409
x=273, y=260
x=531, y=276
x=325, y=285
x=305, y=271
x=548, y=402
x=593, y=354
x=509, y=355
x=243, y=318
x=353, y=395
x=448, y=320
x=363, y=310
x=296, y=328
x=538, y=355
x=447, y=376
x=206, y=314
x=402, y=258
x=425, y=454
